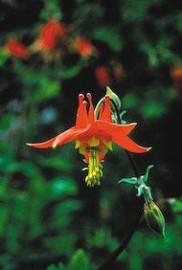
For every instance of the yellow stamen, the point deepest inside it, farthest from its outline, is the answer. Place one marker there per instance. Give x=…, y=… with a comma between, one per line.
x=92, y=148
x=94, y=168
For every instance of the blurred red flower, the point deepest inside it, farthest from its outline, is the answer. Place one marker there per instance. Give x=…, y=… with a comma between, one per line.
x=50, y=42
x=84, y=47
x=51, y=33
x=118, y=73
x=102, y=76
x=16, y=48
x=106, y=75
x=176, y=76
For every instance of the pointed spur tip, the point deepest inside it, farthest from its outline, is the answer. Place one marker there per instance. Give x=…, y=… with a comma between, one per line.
x=32, y=145
x=29, y=144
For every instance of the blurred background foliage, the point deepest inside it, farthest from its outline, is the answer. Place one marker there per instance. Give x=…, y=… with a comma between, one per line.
x=49, y=219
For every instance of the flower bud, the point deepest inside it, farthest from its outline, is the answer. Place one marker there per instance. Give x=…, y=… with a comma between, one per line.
x=113, y=97
x=154, y=218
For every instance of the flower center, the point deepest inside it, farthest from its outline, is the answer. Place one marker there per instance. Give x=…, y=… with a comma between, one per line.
x=94, y=150
x=94, y=168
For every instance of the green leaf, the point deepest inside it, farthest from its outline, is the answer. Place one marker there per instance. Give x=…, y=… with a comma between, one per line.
x=129, y=101
x=152, y=109
x=6, y=121
x=68, y=73
x=48, y=88
x=61, y=186
x=4, y=219
x=55, y=162
x=51, y=7
x=176, y=205
x=61, y=266
x=136, y=10
x=109, y=36
x=3, y=57
x=79, y=261
x=52, y=267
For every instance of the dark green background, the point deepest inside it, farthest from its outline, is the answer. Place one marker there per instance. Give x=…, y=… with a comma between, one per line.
x=46, y=211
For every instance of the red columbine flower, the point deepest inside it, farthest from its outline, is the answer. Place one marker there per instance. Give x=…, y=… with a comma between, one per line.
x=51, y=40
x=176, y=75
x=118, y=73
x=16, y=48
x=51, y=34
x=102, y=76
x=84, y=47
x=94, y=137
x=105, y=75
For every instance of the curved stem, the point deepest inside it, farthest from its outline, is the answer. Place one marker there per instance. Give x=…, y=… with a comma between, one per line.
x=113, y=256
x=129, y=155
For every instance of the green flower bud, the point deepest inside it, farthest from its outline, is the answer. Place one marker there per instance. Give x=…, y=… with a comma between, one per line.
x=113, y=97
x=154, y=218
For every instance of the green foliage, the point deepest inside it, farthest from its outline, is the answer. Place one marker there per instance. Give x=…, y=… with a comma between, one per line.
x=47, y=215
x=109, y=36
x=3, y=57
x=59, y=267
x=79, y=260
x=176, y=204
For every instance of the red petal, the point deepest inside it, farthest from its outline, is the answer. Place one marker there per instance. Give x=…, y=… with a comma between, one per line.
x=101, y=156
x=128, y=144
x=81, y=118
x=112, y=129
x=105, y=114
x=62, y=138
x=68, y=136
x=46, y=144
x=102, y=76
x=91, y=108
x=17, y=48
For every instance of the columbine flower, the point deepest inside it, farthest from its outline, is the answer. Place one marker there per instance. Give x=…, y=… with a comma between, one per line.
x=176, y=76
x=94, y=137
x=118, y=73
x=84, y=47
x=102, y=76
x=16, y=48
x=51, y=34
x=51, y=39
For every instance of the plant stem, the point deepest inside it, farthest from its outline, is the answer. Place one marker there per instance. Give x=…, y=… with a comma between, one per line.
x=129, y=155
x=113, y=256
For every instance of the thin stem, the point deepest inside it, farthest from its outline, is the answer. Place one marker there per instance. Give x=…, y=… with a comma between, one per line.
x=113, y=256
x=129, y=155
